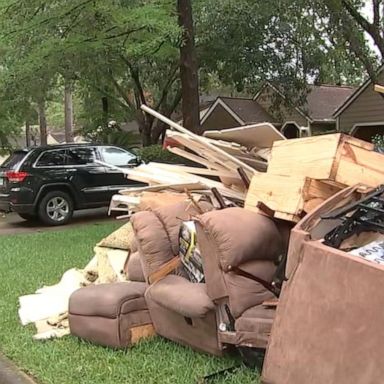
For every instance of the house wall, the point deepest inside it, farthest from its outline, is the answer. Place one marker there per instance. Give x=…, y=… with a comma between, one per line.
x=218, y=120
x=267, y=98
x=318, y=128
x=367, y=108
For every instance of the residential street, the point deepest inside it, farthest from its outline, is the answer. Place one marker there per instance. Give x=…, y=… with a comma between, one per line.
x=12, y=224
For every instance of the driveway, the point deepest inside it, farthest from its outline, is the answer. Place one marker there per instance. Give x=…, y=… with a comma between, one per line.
x=12, y=224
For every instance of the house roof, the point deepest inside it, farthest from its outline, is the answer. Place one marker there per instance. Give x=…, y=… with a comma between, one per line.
x=323, y=100
x=355, y=94
x=250, y=111
x=241, y=109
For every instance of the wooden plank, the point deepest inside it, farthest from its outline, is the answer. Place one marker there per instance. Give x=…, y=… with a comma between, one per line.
x=258, y=165
x=202, y=151
x=197, y=138
x=359, y=165
x=318, y=189
x=256, y=135
x=280, y=193
x=311, y=157
x=379, y=88
x=161, y=187
x=196, y=171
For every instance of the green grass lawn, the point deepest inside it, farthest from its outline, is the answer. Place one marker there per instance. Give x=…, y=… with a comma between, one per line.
x=28, y=262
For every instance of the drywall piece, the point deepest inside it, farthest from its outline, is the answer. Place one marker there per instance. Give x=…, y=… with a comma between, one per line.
x=250, y=136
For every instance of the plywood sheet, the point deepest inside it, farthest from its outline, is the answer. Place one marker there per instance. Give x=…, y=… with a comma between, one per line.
x=280, y=193
x=256, y=135
x=312, y=157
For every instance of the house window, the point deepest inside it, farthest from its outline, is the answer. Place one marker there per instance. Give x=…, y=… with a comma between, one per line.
x=367, y=131
x=291, y=131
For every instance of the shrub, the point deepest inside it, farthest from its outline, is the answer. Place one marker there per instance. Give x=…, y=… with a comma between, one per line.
x=157, y=154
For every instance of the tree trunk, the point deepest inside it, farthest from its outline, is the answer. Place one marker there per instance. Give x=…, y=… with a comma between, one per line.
x=42, y=122
x=188, y=68
x=27, y=133
x=105, y=106
x=68, y=113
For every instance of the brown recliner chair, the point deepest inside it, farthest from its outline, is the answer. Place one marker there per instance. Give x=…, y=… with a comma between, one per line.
x=234, y=244
x=181, y=311
x=113, y=315
x=240, y=251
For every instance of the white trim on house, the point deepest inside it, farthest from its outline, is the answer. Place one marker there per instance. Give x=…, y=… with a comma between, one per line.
x=297, y=109
x=290, y=123
x=355, y=95
x=225, y=106
x=358, y=125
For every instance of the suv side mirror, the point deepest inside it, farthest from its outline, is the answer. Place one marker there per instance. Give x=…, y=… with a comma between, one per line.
x=135, y=161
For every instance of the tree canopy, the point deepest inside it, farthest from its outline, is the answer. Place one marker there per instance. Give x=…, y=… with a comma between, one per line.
x=119, y=54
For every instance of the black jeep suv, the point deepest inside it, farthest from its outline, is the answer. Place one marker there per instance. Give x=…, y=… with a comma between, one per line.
x=51, y=182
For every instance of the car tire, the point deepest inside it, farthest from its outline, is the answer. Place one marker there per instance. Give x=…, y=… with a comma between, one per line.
x=55, y=208
x=28, y=216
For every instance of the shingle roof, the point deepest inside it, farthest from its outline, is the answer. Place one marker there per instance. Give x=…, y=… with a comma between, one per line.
x=323, y=100
x=250, y=111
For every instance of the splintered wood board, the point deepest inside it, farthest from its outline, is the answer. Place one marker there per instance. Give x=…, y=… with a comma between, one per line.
x=204, y=148
x=289, y=196
x=359, y=165
x=337, y=157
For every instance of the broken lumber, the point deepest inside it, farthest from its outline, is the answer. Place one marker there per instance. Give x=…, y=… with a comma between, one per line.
x=379, y=88
x=337, y=157
x=199, y=139
x=289, y=197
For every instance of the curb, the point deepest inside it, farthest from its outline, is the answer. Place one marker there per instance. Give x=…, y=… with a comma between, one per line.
x=10, y=374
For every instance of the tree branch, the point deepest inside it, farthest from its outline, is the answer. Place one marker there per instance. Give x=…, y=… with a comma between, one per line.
x=172, y=78
x=120, y=90
x=376, y=13
x=372, y=29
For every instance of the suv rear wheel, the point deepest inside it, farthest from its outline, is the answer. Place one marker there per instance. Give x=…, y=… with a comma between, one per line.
x=55, y=208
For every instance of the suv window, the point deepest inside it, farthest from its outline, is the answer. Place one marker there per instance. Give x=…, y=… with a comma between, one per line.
x=52, y=158
x=80, y=156
x=116, y=156
x=14, y=160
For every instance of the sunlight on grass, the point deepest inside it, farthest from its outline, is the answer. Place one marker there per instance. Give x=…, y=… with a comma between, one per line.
x=30, y=261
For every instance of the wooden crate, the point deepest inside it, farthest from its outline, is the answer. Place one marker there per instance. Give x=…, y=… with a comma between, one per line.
x=337, y=157
x=289, y=196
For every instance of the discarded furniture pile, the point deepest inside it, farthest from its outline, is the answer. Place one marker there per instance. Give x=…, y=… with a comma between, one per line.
x=284, y=257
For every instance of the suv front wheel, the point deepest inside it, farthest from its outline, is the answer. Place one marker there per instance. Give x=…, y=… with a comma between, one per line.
x=56, y=208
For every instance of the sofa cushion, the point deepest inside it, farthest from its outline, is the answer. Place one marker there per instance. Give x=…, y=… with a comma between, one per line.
x=255, y=318
x=108, y=300
x=181, y=296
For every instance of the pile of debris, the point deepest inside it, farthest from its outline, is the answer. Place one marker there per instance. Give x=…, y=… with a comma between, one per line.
x=256, y=168
x=264, y=248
